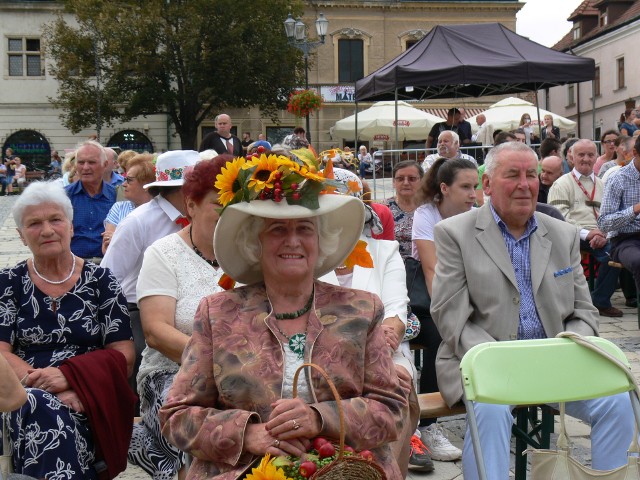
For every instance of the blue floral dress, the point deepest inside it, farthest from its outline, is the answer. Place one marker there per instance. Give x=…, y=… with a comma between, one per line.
x=50, y=440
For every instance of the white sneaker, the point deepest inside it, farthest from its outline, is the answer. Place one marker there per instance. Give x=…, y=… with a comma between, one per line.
x=440, y=447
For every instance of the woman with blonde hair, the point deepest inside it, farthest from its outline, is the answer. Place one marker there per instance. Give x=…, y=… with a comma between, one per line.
x=549, y=130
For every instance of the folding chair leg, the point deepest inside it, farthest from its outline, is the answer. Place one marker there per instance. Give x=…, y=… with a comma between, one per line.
x=522, y=422
x=638, y=303
x=475, y=440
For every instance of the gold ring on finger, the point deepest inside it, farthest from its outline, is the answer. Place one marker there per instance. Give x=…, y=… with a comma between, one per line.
x=276, y=443
x=296, y=425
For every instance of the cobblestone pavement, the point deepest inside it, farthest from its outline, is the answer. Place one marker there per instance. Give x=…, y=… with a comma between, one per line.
x=622, y=331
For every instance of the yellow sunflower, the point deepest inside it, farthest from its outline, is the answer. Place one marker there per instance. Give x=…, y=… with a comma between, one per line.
x=226, y=178
x=264, y=174
x=312, y=174
x=267, y=471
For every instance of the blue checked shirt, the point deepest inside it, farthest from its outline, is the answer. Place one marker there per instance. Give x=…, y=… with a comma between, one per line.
x=530, y=325
x=88, y=217
x=621, y=193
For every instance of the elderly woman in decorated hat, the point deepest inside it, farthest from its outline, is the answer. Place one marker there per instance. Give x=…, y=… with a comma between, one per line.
x=232, y=399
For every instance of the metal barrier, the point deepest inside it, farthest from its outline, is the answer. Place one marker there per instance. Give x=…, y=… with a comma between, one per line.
x=382, y=183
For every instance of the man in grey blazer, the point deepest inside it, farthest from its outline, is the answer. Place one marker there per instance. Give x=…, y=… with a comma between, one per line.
x=506, y=273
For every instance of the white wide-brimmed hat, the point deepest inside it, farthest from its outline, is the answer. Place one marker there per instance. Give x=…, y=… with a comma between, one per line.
x=342, y=213
x=171, y=166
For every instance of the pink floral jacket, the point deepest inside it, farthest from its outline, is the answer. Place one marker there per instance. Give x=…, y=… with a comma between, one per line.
x=232, y=371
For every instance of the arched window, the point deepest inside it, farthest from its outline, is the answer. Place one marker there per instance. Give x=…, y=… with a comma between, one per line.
x=131, y=140
x=32, y=148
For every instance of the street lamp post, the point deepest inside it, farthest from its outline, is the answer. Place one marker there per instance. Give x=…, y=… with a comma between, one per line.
x=296, y=32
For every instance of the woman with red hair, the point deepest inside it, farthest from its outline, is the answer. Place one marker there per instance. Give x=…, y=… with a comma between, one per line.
x=177, y=271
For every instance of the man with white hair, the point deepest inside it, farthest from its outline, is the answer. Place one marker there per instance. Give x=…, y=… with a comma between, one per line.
x=577, y=195
x=448, y=147
x=110, y=176
x=505, y=272
x=92, y=198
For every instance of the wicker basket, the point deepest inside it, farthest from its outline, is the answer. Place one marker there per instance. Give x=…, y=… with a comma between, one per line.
x=343, y=467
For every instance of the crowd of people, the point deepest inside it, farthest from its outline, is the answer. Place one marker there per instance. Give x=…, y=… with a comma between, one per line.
x=203, y=281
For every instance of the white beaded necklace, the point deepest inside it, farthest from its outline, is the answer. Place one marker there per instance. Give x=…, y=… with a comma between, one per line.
x=53, y=282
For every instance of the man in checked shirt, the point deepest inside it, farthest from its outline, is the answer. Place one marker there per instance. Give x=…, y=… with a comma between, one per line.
x=620, y=214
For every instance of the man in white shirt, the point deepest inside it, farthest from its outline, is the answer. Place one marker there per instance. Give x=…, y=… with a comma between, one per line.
x=577, y=195
x=151, y=221
x=448, y=147
x=484, y=135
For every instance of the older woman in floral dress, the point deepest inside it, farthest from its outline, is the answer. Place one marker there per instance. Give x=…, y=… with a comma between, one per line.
x=65, y=331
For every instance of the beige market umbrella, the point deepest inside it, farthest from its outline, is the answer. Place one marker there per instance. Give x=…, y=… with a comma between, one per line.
x=506, y=114
x=378, y=123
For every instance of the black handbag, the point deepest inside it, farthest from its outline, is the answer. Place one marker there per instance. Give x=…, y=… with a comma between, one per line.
x=419, y=299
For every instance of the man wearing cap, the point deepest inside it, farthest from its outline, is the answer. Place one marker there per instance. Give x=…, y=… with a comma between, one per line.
x=92, y=198
x=453, y=118
x=160, y=217
x=222, y=140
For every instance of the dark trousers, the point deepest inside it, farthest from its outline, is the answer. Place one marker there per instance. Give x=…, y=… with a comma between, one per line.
x=626, y=250
x=430, y=339
x=139, y=344
x=607, y=280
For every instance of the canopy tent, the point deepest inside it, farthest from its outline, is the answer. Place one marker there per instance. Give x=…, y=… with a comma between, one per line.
x=454, y=61
x=379, y=123
x=506, y=114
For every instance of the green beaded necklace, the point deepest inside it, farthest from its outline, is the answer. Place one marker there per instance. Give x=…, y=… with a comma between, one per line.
x=297, y=313
x=297, y=341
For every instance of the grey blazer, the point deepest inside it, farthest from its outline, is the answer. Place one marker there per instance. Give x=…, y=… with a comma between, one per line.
x=476, y=297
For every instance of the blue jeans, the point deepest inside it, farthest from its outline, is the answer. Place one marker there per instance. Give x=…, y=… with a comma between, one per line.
x=607, y=280
x=612, y=427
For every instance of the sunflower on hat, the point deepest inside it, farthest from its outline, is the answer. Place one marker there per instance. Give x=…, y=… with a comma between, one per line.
x=296, y=180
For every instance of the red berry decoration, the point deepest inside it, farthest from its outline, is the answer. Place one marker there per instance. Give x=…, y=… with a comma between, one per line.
x=277, y=175
x=294, y=186
x=260, y=149
x=277, y=191
x=327, y=450
x=318, y=442
x=307, y=468
x=295, y=196
x=277, y=198
x=367, y=455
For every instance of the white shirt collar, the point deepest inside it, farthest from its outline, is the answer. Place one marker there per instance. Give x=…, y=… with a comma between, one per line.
x=577, y=174
x=172, y=212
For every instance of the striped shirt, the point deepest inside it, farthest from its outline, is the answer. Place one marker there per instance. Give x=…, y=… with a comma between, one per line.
x=118, y=212
x=530, y=325
x=621, y=193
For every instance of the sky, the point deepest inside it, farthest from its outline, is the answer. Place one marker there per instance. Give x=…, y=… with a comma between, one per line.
x=545, y=21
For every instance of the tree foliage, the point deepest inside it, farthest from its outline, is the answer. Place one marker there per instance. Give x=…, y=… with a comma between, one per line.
x=189, y=59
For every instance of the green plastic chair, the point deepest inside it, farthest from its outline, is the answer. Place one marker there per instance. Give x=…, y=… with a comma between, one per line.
x=528, y=372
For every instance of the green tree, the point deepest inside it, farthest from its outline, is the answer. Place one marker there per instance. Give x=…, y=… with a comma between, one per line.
x=189, y=59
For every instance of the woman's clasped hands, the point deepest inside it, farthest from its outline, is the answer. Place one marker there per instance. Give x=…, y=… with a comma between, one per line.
x=51, y=379
x=288, y=431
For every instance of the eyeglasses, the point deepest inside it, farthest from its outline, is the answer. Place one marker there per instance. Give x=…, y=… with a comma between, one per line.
x=409, y=179
x=609, y=141
x=129, y=179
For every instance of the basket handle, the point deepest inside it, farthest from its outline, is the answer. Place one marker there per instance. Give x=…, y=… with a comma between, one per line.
x=336, y=395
